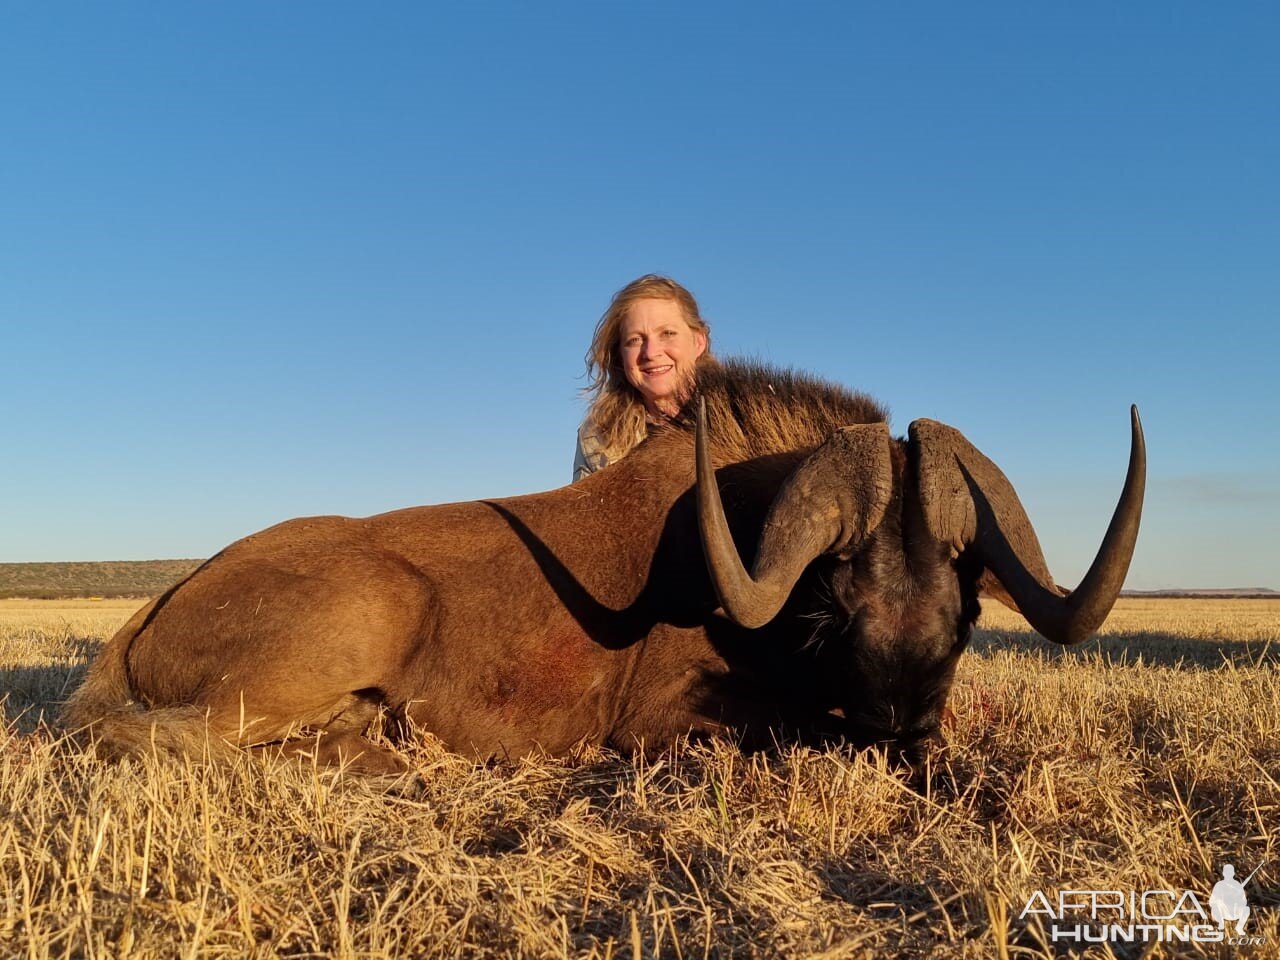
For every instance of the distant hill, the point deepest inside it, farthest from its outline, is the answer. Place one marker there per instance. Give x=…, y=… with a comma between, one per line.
x=111, y=578
x=149, y=578
x=1219, y=593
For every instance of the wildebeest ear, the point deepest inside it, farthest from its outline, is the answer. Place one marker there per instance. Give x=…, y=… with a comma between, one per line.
x=989, y=586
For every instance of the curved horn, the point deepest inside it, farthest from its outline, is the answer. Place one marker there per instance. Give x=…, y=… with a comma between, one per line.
x=829, y=502
x=967, y=501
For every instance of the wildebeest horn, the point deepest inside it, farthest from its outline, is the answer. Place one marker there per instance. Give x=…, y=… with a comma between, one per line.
x=830, y=501
x=967, y=502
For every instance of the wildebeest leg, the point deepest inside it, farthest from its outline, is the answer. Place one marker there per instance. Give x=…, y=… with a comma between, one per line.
x=340, y=748
x=341, y=741
x=264, y=655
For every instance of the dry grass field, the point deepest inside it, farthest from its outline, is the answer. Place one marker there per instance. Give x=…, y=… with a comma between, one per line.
x=1143, y=761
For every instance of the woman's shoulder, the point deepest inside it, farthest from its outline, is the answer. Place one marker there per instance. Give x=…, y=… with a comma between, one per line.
x=590, y=455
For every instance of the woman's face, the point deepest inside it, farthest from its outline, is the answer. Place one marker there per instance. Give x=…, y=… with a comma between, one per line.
x=659, y=351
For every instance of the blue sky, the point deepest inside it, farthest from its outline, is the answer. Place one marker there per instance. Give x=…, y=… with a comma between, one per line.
x=267, y=260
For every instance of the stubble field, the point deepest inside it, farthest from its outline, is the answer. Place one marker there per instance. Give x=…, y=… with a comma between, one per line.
x=1143, y=761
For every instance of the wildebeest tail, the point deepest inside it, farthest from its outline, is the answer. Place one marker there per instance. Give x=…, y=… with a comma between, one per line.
x=104, y=713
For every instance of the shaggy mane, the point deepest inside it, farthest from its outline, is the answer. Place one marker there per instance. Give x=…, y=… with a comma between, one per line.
x=754, y=409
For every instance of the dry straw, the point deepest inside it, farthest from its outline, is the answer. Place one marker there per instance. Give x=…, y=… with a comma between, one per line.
x=1146, y=759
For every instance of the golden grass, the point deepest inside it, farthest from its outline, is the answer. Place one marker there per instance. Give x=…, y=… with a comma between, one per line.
x=1145, y=760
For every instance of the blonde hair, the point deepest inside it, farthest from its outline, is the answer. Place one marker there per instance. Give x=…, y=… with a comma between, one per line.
x=617, y=413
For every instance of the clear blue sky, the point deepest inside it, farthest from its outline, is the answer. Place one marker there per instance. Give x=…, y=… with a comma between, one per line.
x=265, y=260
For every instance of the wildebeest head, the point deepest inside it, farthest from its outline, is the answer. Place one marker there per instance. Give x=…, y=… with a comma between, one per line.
x=910, y=530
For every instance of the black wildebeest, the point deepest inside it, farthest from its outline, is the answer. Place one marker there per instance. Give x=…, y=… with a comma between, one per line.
x=588, y=613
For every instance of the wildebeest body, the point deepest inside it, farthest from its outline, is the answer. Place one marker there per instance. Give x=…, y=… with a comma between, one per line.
x=502, y=627
x=580, y=614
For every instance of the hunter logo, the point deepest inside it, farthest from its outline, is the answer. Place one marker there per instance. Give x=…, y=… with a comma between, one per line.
x=1228, y=900
x=1148, y=916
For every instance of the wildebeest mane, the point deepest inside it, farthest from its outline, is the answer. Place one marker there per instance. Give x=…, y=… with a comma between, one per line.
x=755, y=410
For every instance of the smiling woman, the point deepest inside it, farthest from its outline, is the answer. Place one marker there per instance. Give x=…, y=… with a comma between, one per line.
x=642, y=363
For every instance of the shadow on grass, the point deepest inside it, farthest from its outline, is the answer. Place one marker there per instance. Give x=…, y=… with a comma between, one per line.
x=911, y=915
x=1151, y=648
x=33, y=695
